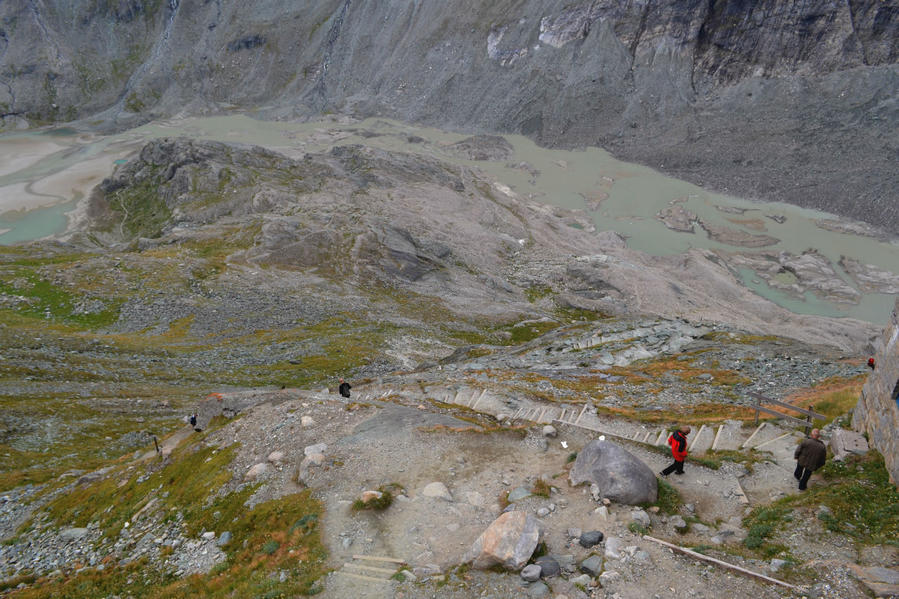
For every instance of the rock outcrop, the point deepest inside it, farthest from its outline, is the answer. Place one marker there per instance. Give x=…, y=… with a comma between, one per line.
x=877, y=411
x=790, y=101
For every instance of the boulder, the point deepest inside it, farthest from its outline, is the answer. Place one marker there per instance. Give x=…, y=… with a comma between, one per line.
x=590, y=538
x=549, y=567
x=531, y=572
x=619, y=475
x=276, y=457
x=549, y=431
x=641, y=518
x=509, y=542
x=592, y=565
x=843, y=442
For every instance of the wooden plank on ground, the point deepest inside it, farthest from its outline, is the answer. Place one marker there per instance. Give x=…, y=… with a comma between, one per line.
x=581, y=414
x=784, y=404
x=379, y=558
x=387, y=571
x=752, y=436
x=783, y=436
x=741, y=494
x=718, y=562
x=363, y=576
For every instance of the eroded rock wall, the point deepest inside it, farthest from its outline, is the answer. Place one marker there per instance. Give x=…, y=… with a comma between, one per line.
x=877, y=412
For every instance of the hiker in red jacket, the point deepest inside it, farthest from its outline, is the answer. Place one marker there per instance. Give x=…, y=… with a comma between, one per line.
x=678, y=443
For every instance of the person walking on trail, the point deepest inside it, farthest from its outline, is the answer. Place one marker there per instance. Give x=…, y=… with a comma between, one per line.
x=678, y=443
x=810, y=455
x=193, y=420
x=344, y=388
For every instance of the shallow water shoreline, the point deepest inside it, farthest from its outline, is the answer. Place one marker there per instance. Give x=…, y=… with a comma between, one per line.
x=46, y=195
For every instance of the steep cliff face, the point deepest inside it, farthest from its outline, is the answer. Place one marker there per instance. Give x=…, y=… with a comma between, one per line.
x=786, y=100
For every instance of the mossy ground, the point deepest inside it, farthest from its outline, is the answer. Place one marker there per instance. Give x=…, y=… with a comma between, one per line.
x=281, y=535
x=863, y=505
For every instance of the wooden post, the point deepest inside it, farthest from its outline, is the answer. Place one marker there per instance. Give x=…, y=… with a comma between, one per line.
x=156, y=443
x=757, y=404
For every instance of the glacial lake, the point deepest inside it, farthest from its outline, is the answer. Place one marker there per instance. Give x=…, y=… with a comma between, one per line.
x=45, y=175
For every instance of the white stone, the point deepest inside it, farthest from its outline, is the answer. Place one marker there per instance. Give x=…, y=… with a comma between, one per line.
x=307, y=421
x=317, y=448
x=276, y=457
x=256, y=471
x=437, y=490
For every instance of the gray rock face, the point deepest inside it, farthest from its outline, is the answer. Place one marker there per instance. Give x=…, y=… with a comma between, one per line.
x=844, y=442
x=509, y=542
x=590, y=538
x=875, y=413
x=633, y=76
x=619, y=475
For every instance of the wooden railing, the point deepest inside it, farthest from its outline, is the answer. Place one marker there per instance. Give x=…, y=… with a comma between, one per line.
x=809, y=415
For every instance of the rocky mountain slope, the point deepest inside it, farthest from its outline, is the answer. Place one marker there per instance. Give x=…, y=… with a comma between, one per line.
x=414, y=225
x=235, y=282
x=792, y=101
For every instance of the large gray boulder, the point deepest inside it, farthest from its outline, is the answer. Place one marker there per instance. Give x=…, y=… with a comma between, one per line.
x=619, y=475
x=508, y=542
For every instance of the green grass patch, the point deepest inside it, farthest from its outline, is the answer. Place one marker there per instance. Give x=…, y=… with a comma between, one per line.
x=142, y=212
x=541, y=488
x=381, y=503
x=761, y=524
x=864, y=503
x=276, y=536
x=45, y=300
x=669, y=500
x=528, y=332
x=537, y=292
x=194, y=473
x=638, y=529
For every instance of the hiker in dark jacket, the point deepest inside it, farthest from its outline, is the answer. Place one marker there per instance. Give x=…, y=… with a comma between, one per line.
x=678, y=443
x=344, y=388
x=810, y=455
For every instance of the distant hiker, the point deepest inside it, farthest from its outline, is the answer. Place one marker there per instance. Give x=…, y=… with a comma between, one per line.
x=871, y=363
x=344, y=388
x=810, y=455
x=193, y=420
x=678, y=443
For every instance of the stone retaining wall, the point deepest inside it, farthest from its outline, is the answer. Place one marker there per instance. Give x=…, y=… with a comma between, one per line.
x=877, y=411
